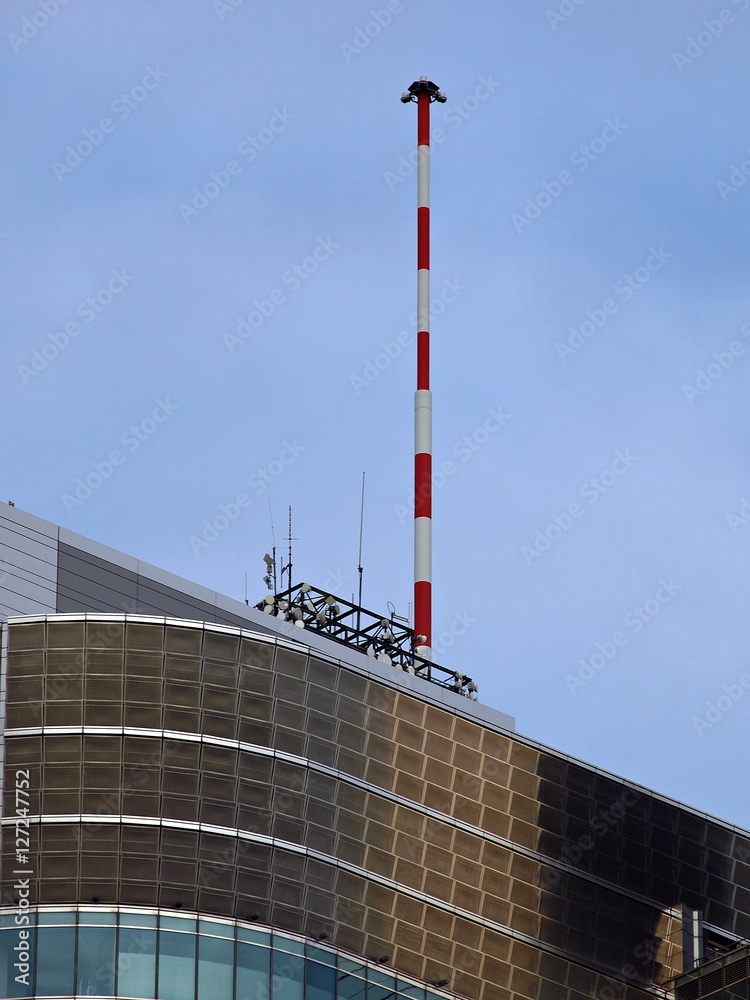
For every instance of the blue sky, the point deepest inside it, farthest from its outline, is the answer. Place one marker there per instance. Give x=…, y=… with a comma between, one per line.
x=208, y=241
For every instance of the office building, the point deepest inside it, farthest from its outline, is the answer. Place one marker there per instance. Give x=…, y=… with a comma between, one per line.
x=202, y=801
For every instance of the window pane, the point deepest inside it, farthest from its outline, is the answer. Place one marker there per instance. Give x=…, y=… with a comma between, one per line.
x=252, y=971
x=176, y=966
x=136, y=963
x=288, y=981
x=321, y=982
x=350, y=987
x=96, y=960
x=9, y=940
x=409, y=990
x=137, y=919
x=56, y=952
x=379, y=993
x=215, y=968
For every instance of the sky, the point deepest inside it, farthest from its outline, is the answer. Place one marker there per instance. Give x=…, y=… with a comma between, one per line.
x=207, y=235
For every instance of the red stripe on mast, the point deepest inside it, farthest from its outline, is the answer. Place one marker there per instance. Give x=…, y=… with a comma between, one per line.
x=424, y=92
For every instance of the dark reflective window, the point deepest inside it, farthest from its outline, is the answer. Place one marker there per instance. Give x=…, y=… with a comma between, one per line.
x=96, y=961
x=136, y=960
x=253, y=971
x=176, y=966
x=320, y=981
x=288, y=976
x=215, y=968
x=56, y=951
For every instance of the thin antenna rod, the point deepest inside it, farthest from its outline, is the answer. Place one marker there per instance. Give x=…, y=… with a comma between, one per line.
x=361, y=529
x=424, y=93
x=246, y=600
x=273, y=548
x=289, y=563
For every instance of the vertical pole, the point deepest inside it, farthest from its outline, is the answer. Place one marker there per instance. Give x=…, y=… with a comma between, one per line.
x=424, y=92
x=423, y=395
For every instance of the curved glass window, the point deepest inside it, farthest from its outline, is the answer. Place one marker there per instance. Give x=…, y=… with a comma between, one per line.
x=162, y=956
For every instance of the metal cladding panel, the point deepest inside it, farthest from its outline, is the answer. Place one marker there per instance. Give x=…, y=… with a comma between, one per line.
x=87, y=583
x=28, y=564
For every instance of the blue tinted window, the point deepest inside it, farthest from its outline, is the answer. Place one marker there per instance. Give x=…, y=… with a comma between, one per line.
x=56, y=917
x=288, y=981
x=215, y=968
x=320, y=955
x=96, y=960
x=17, y=945
x=56, y=954
x=381, y=985
x=177, y=923
x=253, y=971
x=250, y=934
x=216, y=929
x=136, y=963
x=287, y=944
x=375, y=992
x=351, y=987
x=320, y=981
x=87, y=917
x=409, y=990
x=176, y=966
x=137, y=920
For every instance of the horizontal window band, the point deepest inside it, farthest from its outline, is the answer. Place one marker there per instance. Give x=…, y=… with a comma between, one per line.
x=270, y=752
x=397, y=887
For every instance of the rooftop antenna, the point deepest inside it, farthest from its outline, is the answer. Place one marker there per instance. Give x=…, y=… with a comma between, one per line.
x=361, y=527
x=288, y=568
x=270, y=560
x=424, y=93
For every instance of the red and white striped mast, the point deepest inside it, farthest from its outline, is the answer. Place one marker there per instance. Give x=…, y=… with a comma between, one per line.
x=424, y=93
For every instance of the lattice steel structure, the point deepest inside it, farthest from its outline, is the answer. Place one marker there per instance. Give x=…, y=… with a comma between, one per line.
x=388, y=640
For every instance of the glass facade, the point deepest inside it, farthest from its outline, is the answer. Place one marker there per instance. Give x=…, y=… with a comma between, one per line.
x=159, y=956
x=236, y=774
